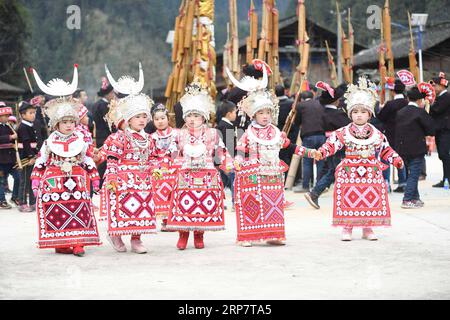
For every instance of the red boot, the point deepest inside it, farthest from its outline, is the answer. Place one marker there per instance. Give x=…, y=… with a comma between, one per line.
x=78, y=251
x=67, y=250
x=182, y=241
x=198, y=240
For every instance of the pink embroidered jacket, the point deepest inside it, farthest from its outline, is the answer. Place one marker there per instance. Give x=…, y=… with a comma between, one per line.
x=357, y=148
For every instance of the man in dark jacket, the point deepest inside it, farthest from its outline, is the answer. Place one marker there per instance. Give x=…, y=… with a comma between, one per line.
x=100, y=109
x=440, y=112
x=387, y=115
x=309, y=119
x=333, y=118
x=412, y=125
x=227, y=131
x=285, y=104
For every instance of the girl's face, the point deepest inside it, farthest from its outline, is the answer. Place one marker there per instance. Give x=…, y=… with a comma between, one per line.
x=138, y=122
x=66, y=126
x=194, y=120
x=160, y=120
x=263, y=117
x=360, y=115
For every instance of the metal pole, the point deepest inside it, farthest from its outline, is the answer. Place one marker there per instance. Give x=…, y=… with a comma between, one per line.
x=420, y=55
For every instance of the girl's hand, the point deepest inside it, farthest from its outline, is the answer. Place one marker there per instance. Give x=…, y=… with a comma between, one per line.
x=317, y=155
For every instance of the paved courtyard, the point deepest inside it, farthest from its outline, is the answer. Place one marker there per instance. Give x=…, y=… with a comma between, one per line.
x=411, y=260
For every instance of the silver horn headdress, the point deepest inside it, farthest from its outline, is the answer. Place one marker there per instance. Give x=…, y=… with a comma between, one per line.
x=64, y=106
x=135, y=102
x=248, y=83
x=57, y=87
x=127, y=84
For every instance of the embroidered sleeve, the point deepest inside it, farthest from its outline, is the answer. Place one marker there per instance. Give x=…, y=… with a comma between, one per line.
x=333, y=144
x=113, y=151
x=41, y=162
x=222, y=155
x=304, y=152
x=242, y=148
x=89, y=166
x=285, y=141
x=114, y=147
x=388, y=154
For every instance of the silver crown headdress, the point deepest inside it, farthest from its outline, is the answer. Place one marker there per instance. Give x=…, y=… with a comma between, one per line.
x=259, y=100
x=197, y=100
x=362, y=95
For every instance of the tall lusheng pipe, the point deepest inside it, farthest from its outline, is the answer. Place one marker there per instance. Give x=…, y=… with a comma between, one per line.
x=413, y=67
x=388, y=40
x=302, y=38
x=332, y=66
x=382, y=67
x=351, y=38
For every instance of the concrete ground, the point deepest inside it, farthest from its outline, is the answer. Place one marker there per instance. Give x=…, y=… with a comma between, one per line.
x=411, y=260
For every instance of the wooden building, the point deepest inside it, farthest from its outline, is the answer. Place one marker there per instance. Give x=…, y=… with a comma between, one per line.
x=435, y=53
x=289, y=57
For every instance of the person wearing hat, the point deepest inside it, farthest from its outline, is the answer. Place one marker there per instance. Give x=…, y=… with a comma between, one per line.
x=64, y=207
x=412, y=125
x=251, y=71
x=130, y=203
x=309, y=121
x=99, y=111
x=27, y=144
x=285, y=108
x=166, y=150
x=41, y=120
x=259, y=184
x=440, y=112
x=360, y=196
x=7, y=155
x=198, y=197
x=333, y=118
x=387, y=116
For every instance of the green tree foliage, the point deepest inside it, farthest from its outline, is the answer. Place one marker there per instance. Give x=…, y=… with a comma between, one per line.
x=13, y=35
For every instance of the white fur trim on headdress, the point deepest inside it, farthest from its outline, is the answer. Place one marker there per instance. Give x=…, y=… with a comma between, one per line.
x=259, y=100
x=62, y=108
x=362, y=95
x=135, y=104
x=197, y=100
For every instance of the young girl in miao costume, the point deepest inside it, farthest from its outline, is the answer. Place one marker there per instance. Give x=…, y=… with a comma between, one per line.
x=166, y=150
x=259, y=184
x=113, y=118
x=130, y=206
x=360, y=192
x=65, y=217
x=198, y=196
